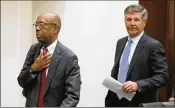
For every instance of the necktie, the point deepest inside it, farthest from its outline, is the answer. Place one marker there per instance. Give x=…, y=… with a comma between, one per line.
x=124, y=65
x=42, y=83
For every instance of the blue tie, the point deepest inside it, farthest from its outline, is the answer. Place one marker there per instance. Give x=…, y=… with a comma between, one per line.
x=124, y=64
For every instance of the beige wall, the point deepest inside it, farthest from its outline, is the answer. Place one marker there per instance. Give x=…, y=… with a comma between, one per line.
x=17, y=35
x=46, y=6
x=16, y=38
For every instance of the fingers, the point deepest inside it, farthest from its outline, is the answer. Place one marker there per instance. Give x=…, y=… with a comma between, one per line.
x=46, y=64
x=126, y=87
x=129, y=86
x=42, y=62
x=46, y=59
x=47, y=56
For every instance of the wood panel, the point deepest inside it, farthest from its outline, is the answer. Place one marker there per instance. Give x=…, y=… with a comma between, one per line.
x=160, y=25
x=170, y=47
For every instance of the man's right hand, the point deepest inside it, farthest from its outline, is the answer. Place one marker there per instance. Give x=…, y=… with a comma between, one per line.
x=171, y=99
x=41, y=62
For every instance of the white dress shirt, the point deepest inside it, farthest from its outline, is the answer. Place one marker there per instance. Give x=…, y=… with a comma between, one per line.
x=134, y=43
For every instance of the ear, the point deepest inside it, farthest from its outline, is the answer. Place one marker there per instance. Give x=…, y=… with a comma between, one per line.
x=56, y=30
x=144, y=22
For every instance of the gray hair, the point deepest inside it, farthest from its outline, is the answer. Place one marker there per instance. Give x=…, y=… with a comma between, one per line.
x=137, y=8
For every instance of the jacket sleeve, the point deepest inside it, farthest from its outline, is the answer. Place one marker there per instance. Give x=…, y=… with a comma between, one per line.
x=25, y=77
x=159, y=69
x=116, y=65
x=173, y=93
x=73, y=83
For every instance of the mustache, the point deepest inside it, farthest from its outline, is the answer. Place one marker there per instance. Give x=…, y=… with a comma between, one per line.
x=39, y=32
x=132, y=27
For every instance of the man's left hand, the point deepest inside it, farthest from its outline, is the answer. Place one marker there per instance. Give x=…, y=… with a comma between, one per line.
x=130, y=86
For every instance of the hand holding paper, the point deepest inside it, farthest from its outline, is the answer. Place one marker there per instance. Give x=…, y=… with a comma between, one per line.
x=116, y=87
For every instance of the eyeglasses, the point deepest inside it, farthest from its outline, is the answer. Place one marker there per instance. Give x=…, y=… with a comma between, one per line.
x=42, y=25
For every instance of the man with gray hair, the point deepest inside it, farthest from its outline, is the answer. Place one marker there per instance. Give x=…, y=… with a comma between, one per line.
x=140, y=62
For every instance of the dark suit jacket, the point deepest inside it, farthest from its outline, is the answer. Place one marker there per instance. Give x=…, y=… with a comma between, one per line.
x=148, y=68
x=63, y=78
x=173, y=93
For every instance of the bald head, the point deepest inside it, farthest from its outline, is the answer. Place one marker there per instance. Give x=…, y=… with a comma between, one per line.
x=47, y=28
x=51, y=18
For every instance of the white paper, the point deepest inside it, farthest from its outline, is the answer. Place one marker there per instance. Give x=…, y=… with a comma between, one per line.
x=116, y=87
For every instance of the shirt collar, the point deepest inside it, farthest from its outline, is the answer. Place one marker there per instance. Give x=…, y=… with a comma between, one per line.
x=52, y=46
x=136, y=38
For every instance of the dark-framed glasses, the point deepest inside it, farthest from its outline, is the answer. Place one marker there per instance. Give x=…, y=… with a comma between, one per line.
x=42, y=25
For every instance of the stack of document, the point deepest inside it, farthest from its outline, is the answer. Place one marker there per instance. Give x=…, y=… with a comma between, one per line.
x=116, y=87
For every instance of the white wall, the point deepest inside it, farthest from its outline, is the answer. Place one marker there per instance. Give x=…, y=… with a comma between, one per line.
x=16, y=38
x=89, y=28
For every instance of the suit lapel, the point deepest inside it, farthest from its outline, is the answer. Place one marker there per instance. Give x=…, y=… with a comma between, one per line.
x=52, y=68
x=121, y=48
x=137, y=51
x=36, y=55
x=37, y=51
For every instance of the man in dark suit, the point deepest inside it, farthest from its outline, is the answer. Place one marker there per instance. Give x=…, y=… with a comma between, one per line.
x=50, y=76
x=140, y=62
